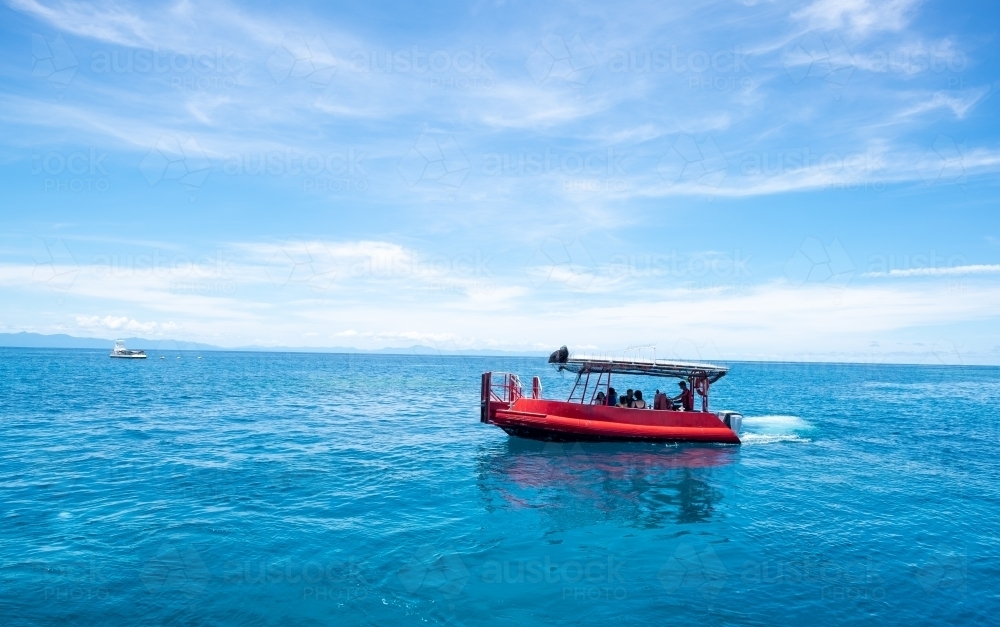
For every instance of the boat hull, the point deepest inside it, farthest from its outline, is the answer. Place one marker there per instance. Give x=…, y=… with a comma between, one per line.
x=540, y=419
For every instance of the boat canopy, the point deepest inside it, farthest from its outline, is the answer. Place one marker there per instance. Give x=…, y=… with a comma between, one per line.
x=584, y=364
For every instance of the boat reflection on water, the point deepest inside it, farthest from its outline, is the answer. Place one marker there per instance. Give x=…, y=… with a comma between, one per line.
x=576, y=484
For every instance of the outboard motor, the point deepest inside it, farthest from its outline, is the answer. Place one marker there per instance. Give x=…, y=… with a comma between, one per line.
x=732, y=419
x=560, y=356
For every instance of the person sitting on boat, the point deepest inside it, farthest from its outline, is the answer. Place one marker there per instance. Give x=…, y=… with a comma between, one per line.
x=612, y=397
x=686, y=397
x=662, y=402
x=600, y=400
x=625, y=400
x=638, y=403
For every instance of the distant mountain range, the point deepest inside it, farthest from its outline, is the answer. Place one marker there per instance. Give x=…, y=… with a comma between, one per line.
x=61, y=340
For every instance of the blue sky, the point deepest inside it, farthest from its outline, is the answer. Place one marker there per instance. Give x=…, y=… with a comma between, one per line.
x=735, y=180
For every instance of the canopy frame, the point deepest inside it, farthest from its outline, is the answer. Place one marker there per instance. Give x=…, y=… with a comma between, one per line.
x=603, y=367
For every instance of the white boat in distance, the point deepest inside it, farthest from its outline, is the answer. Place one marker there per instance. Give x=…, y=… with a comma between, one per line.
x=120, y=351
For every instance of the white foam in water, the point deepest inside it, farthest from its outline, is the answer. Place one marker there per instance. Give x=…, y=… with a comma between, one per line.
x=772, y=429
x=760, y=438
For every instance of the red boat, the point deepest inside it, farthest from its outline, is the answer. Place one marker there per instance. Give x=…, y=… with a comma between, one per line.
x=583, y=417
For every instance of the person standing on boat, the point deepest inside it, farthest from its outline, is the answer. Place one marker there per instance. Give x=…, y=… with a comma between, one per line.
x=686, y=397
x=612, y=397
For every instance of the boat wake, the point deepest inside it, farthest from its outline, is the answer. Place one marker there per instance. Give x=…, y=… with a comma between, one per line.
x=774, y=429
x=750, y=439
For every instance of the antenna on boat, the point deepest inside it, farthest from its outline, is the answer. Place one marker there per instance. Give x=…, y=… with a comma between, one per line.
x=638, y=348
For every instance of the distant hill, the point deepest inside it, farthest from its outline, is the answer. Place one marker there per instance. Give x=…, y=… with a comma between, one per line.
x=61, y=340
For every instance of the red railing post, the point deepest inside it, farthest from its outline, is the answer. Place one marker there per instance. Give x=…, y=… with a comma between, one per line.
x=484, y=397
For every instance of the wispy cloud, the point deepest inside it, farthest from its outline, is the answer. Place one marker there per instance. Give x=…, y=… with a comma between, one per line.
x=859, y=17
x=937, y=272
x=647, y=131
x=103, y=21
x=959, y=103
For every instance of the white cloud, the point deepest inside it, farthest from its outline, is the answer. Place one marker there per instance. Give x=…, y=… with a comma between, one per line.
x=858, y=16
x=769, y=319
x=937, y=272
x=97, y=20
x=960, y=103
x=306, y=287
x=124, y=323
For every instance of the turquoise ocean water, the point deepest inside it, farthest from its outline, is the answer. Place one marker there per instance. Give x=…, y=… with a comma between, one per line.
x=298, y=489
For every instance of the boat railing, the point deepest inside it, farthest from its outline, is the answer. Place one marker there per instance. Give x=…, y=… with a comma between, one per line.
x=499, y=387
x=505, y=387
